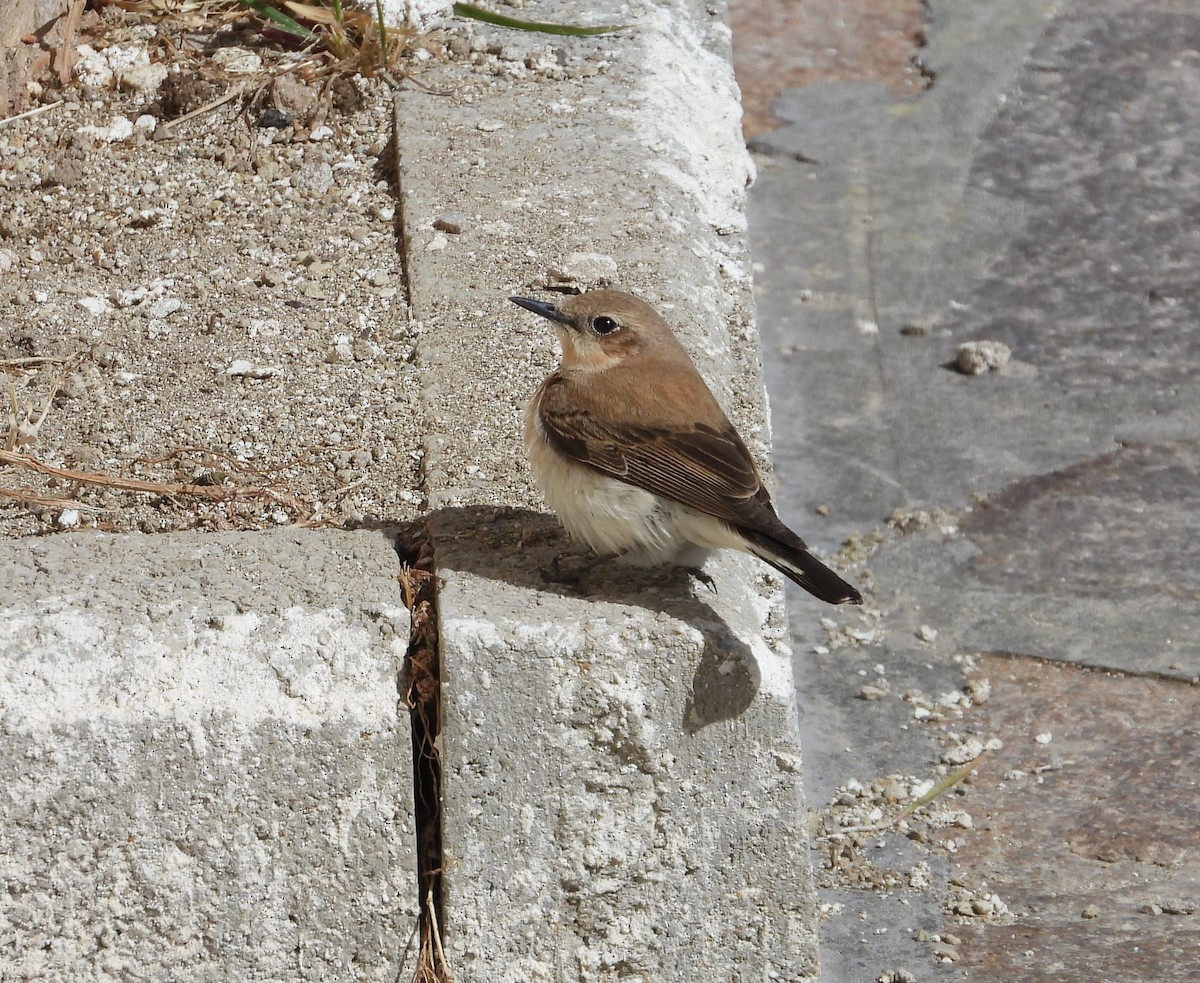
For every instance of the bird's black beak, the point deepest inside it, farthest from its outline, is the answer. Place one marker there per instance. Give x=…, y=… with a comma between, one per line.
x=548, y=311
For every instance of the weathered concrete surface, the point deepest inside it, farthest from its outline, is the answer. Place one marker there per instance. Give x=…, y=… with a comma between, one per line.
x=622, y=784
x=1101, y=819
x=1041, y=194
x=206, y=769
x=1093, y=564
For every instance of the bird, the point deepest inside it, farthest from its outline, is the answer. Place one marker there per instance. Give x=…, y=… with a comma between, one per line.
x=633, y=452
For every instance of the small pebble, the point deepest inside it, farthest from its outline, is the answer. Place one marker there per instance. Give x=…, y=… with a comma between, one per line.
x=945, y=953
x=585, y=266
x=164, y=307
x=116, y=131
x=450, y=222
x=968, y=750
x=314, y=177
x=236, y=61
x=242, y=368
x=979, y=690
x=272, y=118
x=977, y=357
x=94, y=305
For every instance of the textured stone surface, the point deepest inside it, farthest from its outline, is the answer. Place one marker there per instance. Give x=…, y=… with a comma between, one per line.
x=206, y=770
x=1103, y=814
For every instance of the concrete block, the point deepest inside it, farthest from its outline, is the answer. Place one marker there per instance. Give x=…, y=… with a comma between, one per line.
x=622, y=780
x=206, y=772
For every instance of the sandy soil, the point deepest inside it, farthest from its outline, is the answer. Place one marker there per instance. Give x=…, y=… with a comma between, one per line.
x=218, y=301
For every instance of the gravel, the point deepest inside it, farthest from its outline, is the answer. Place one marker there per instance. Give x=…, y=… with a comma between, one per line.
x=225, y=304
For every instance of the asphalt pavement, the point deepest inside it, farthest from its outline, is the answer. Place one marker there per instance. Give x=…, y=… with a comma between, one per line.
x=1041, y=194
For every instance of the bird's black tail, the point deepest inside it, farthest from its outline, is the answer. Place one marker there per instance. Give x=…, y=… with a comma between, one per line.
x=795, y=562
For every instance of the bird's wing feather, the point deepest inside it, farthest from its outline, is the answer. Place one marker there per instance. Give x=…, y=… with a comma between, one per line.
x=706, y=468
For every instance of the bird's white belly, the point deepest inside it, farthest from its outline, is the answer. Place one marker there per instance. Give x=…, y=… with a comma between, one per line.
x=612, y=516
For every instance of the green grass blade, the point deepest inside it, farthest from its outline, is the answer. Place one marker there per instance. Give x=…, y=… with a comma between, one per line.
x=478, y=13
x=279, y=17
x=382, y=27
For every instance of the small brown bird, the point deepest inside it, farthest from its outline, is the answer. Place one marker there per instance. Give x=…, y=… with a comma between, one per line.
x=632, y=450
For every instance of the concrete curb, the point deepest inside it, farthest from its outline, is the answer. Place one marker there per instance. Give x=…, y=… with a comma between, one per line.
x=622, y=788
x=203, y=760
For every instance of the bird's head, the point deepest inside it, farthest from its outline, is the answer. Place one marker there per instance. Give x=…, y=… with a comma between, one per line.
x=603, y=328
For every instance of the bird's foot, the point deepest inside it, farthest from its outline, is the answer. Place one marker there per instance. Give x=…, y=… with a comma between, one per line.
x=559, y=572
x=704, y=578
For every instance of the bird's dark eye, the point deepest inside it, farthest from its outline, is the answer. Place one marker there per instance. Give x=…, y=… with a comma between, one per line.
x=604, y=324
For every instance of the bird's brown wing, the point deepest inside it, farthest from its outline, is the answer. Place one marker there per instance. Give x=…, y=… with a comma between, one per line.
x=706, y=468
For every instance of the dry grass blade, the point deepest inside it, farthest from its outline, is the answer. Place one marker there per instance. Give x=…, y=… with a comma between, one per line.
x=938, y=790
x=67, y=62
x=474, y=12
x=164, y=129
x=42, y=502
x=24, y=424
x=217, y=493
x=42, y=359
x=37, y=111
x=179, y=452
x=162, y=6
x=423, y=696
x=431, y=959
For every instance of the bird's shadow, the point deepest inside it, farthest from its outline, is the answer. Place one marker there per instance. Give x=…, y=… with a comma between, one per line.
x=518, y=547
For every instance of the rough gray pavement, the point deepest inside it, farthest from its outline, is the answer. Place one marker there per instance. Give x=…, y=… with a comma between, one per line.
x=1040, y=194
x=1048, y=225
x=205, y=766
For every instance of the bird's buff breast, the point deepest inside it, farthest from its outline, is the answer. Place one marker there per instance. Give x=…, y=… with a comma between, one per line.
x=610, y=515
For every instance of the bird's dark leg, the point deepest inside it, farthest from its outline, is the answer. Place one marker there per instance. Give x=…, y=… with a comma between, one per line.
x=572, y=575
x=704, y=578
x=555, y=573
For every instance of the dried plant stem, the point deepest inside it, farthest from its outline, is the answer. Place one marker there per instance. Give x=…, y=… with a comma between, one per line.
x=941, y=787
x=68, y=48
x=37, y=111
x=208, y=107
x=212, y=492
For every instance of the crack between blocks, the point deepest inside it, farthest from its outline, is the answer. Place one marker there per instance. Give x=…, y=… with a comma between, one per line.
x=421, y=686
x=387, y=168
x=421, y=680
